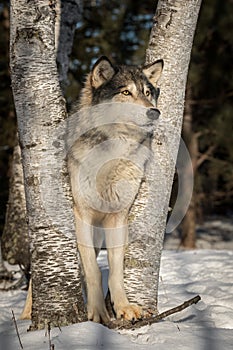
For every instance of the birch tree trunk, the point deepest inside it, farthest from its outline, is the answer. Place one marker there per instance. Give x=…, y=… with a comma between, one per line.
x=171, y=40
x=15, y=244
x=40, y=107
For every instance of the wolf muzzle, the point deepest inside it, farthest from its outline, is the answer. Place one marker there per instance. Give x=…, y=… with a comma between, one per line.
x=153, y=113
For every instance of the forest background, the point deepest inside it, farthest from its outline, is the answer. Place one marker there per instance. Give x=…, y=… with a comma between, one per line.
x=120, y=30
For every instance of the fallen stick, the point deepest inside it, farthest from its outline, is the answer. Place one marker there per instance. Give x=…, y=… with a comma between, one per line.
x=119, y=324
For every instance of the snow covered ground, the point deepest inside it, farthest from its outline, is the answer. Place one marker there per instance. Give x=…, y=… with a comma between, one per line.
x=207, y=325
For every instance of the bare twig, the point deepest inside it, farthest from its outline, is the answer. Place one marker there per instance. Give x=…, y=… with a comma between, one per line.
x=153, y=319
x=16, y=328
x=205, y=155
x=212, y=101
x=51, y=346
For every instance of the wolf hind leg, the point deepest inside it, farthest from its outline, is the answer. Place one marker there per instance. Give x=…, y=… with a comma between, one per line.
x=116, y=239
x=26, y=313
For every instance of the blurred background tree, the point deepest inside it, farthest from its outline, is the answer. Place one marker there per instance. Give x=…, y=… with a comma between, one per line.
x=209, y=117
x=7, y=114
x=120, y=30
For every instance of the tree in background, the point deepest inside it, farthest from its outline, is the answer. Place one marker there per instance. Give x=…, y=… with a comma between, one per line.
x=208, y=122
x=7, y=115
x=15, y=240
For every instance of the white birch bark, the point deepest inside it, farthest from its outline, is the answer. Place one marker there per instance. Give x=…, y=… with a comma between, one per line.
x=40, y=107
x=171, y=40
x=15, y=245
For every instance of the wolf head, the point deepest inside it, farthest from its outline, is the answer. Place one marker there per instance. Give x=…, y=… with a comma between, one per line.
x=129, y=84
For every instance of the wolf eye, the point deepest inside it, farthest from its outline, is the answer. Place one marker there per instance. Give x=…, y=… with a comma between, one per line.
x=147, y=93
x=126, y=92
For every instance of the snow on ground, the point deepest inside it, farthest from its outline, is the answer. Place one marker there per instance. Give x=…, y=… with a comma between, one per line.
x=207, y=325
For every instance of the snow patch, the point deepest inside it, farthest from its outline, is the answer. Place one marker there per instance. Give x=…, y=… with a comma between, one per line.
x=206, y=325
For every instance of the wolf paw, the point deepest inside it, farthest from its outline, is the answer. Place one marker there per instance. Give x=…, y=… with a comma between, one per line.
x=98, y=314
x=129, y=312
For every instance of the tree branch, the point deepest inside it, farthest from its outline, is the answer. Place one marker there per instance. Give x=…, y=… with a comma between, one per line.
x=205, y=156
x=212, y=101
x=119, y=324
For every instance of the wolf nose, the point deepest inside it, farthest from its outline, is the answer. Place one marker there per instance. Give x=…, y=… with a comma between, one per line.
x=153, y=113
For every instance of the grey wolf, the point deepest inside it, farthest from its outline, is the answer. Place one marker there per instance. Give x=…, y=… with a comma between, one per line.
x=109, y=142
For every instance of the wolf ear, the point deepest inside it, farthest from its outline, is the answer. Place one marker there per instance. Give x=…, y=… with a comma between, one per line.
x=102, y=71
x=153, y=71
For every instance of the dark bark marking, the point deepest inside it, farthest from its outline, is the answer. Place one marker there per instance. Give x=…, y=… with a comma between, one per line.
x=170, y=19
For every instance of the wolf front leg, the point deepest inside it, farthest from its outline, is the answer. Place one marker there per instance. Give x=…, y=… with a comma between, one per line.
x=96, y=309
x=116, y=231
